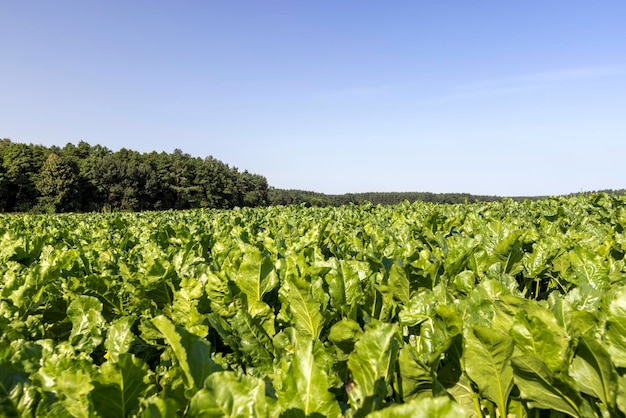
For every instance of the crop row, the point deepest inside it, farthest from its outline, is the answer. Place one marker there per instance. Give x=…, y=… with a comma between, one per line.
x=440, y=310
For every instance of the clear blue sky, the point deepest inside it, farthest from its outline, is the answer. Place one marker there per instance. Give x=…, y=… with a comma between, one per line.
x=486, y=97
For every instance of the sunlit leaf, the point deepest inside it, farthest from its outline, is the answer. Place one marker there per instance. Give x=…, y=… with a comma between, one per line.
x=487, y=356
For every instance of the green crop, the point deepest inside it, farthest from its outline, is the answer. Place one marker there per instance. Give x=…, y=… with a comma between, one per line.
x=420, y=310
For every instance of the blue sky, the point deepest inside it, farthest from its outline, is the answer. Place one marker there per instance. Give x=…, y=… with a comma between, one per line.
x=484, y=97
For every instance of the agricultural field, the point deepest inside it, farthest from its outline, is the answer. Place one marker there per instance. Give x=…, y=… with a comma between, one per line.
x=414, y=310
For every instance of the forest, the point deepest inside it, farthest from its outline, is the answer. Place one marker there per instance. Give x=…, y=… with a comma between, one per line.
x=86, y=178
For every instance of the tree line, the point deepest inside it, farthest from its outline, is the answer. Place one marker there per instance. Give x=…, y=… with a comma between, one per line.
x=307, y=198
x=81, y=178
x=85, y=178
x=298, y=197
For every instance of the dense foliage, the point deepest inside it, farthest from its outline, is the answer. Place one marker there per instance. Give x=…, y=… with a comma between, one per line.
x=411, y=310
x=84, y=178
x=308, y=198
x=297, y=197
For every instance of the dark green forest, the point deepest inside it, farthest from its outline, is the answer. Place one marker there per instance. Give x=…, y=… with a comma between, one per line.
x=86, y=178
x=297, y=197
x=81, y=178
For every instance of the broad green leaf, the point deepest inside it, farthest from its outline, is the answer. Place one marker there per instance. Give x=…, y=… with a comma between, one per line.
x=154, y=277
x=256, y=276
x=541, y=388
x=585, y=297
x=451, y=376
x=224, y=329
x=192, y=352
x=14, y=389
x=505, y=309
x=576, y=322
x=371, y=365
x=546, y=339
x=593, y=371
x=264, y=315
x=419, y=309
x=399, y=283
x=538, y=261
x=459, y=253
x=121, y=386
x=344, y=334
x=85, y=312
x=220, y=294
x=378, y=301
x=465, y=281
x=616, y=328
x=319, y=288
x=304, y=310
x=28, y=355
x=253, y=341
x=508, y=251
x=119, y=337
x=435, y=336
x=344, y=287
x=74, y=387
x=517, y=409
x=303, y=383
x=183, y=310
x=487, y=355
x=155, y=407
x=227, y=395
x=57, y=359
x=621, y=394
x=417, y=378
x=441, y=407
x=584, y=323
x=590, y=269
x=561, y=309
x=52, y=408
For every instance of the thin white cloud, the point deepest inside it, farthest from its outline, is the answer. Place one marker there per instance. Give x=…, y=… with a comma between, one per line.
x=573, y=74
x=358, y=92
x=534, y=81
x=485, y=88
x=486, y=91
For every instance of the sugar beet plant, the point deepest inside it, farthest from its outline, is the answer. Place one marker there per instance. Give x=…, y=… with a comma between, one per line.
x=499, y=309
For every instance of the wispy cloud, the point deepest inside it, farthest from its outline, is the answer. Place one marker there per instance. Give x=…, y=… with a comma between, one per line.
x=362, y=92
x=484, y=88
x=534, y=81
